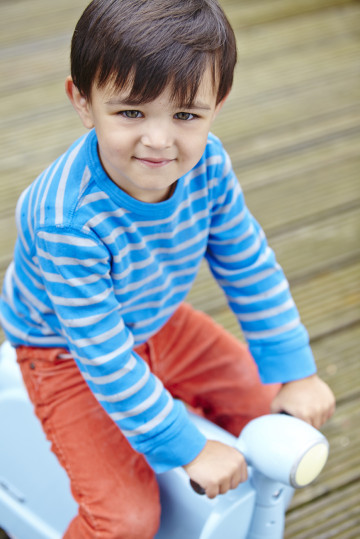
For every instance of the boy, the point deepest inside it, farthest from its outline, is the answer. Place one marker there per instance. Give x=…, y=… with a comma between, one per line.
x=110, y=238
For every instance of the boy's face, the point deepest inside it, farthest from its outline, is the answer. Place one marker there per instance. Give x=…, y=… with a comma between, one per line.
x=146, y=148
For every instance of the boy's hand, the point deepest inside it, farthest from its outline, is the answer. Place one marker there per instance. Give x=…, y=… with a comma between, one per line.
x=217, y=468
x=309, y=399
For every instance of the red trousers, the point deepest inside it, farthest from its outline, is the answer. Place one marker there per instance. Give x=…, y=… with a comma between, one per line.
x=116, y=490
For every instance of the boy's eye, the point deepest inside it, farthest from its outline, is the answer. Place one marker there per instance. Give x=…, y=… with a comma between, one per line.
x=184, y=116
x=132, y=114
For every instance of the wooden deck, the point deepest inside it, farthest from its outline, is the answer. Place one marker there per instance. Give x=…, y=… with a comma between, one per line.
x=292, y=128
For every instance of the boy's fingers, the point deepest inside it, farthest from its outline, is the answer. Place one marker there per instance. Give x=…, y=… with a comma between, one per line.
x=317, y=418
x=321, y=414
x=235, y=481
x=242, y=474
x=309, y=399
x=239, y=476
x=224, y=486
x=218, y=468
x=212, y=491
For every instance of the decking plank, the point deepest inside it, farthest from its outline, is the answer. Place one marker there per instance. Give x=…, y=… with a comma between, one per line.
x=259, y=12
x=22, y=22
x=334, y=516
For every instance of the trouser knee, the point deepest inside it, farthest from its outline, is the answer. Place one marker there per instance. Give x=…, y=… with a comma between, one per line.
x=140, y=521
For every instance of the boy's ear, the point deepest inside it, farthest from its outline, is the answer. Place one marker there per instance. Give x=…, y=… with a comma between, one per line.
x=219, y=106
x=80, y=103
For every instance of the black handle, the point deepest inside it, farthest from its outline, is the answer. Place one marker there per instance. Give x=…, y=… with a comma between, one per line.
x=198, y=488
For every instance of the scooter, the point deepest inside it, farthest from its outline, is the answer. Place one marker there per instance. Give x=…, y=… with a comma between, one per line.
x=282, y=452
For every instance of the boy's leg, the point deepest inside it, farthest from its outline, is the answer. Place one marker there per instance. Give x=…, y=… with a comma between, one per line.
x=115, y=488
x=202, y=364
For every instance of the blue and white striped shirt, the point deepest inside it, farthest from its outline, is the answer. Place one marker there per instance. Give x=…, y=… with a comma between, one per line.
x=99, y=272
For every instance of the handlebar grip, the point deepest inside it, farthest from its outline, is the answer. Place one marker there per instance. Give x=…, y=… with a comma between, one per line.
x=197, y=488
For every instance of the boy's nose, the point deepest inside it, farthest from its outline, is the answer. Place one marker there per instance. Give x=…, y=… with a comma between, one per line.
x=157, y=136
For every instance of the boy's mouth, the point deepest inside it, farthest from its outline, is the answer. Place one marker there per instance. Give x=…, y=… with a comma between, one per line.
x=154, y=162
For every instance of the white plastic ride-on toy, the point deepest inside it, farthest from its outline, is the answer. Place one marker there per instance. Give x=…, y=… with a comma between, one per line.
x=282, y=452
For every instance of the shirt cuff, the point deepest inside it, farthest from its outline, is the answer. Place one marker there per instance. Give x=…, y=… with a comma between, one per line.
x=276, y=365
x=180, y=449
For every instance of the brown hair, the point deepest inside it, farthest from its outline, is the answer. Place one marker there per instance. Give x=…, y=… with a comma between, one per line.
x=153, y=43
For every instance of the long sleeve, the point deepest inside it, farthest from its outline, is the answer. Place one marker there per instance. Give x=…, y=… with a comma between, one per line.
x=255, y=286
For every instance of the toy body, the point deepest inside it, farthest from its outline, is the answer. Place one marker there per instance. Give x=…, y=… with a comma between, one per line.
x=35, y=497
